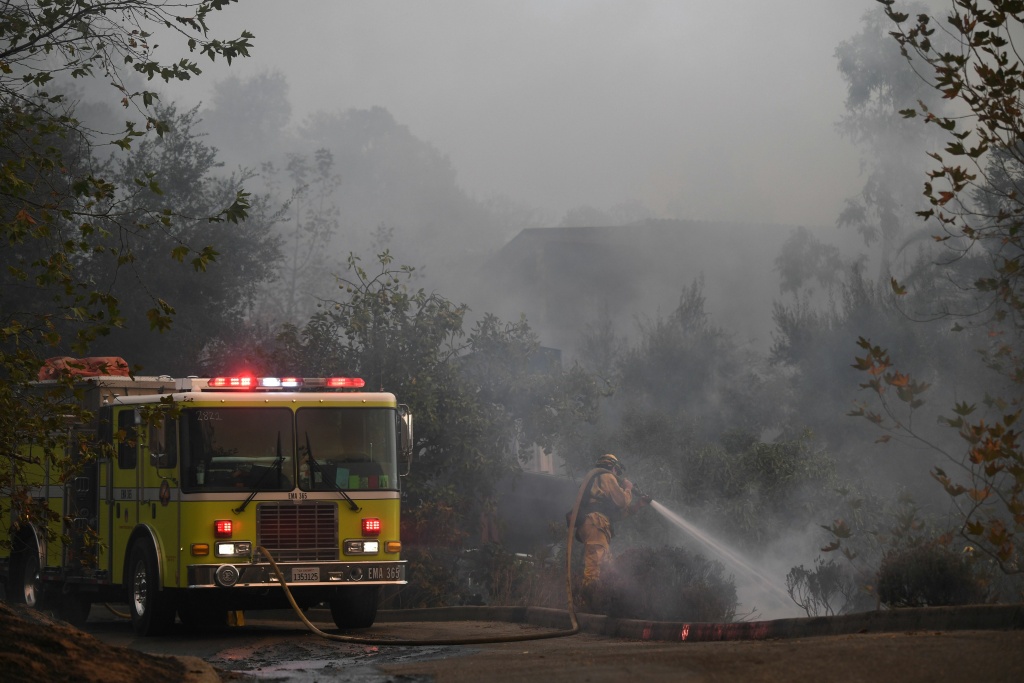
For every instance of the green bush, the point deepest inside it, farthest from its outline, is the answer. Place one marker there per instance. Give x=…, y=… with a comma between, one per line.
x=928, y=575
x=665, y=584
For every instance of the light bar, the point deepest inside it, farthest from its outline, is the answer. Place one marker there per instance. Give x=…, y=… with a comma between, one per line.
x=248, y=382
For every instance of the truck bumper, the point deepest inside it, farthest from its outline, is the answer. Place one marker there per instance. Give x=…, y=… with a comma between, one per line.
x=305, y=574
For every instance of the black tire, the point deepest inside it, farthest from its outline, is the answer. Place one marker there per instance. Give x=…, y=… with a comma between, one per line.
x=152, y=609
x=25, y=586
x=355, y=607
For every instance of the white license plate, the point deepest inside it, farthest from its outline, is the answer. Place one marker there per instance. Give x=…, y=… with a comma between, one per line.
x=305, y=573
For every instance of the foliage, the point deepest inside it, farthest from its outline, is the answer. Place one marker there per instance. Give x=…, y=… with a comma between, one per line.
x=897, y=554
x=976, y=204
x=391, y=177
x=495, y=576
x=524, y=384
x=817, y=327
x=685, y=362
x=991, y=505
x=666, y=584
x=208, y=302
x=804, y=258
x=683, y=382
x=57, y=208
x=701, y=425
x=750, y=488
x=879, y=83
x=433, y=535
x=476, y=397
x=307, y=224
x=928, y=575
x=249, y=117
x=816, y=591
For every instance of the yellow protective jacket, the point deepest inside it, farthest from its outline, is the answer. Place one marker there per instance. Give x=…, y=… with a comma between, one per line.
x=606, y=500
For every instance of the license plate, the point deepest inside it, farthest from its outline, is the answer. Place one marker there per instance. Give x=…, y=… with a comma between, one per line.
x=386, y=573
x=305, y=573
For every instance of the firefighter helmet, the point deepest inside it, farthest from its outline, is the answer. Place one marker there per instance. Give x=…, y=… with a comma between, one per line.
x=609, y=462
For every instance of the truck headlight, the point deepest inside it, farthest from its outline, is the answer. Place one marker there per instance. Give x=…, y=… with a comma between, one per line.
x=233, y=548
x=361, y=546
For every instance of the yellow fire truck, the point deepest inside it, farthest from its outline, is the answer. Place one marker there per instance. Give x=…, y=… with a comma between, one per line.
x=203, y=479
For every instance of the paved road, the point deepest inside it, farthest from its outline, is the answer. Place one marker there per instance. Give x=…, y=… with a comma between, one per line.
x=276, y=646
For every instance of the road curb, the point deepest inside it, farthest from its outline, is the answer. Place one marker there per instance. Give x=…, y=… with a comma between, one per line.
x=971, y=617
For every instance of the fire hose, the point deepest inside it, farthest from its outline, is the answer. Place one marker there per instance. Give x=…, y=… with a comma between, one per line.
x=359, y=640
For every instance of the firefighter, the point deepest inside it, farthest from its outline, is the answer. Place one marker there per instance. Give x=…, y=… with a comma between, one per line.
x=610, y=496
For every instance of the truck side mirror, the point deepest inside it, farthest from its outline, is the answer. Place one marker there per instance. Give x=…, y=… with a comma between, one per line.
x=405, y=439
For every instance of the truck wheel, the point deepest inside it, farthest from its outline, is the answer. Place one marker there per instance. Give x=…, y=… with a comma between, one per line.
x=152, y=609
x=25, y=586
x=355, y=607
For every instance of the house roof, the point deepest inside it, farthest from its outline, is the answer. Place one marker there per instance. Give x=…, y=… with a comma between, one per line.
x=565, y=278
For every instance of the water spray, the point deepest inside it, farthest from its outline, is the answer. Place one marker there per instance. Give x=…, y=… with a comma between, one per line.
x=730, y=556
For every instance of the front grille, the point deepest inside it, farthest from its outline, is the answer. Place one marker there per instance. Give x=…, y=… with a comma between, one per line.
x=298, y=533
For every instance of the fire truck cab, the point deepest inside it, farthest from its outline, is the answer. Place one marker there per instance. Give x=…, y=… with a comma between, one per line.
x=208, y=490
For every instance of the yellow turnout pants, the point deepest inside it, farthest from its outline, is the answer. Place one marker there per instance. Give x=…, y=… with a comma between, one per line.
x=596, y=534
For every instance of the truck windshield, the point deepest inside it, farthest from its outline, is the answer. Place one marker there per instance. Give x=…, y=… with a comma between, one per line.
x=346, y=448
x=237, y=449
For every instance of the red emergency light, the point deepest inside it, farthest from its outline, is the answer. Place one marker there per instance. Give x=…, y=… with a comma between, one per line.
x=371, y=526
x=345, y=383
x=223, y=528
x=243, y=382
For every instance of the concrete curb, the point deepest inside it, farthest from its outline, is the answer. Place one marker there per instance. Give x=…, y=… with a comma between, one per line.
x=971, y=617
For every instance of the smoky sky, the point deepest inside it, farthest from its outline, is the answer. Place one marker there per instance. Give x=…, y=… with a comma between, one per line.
x=710, y=111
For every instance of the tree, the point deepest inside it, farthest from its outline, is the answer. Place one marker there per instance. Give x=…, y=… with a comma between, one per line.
x=58, y=210
x=695, y=370
x=307, y=224
x=977, y=208
x=208, y=303
x=249, y=117
x=475, y=395
x=879, y=83
x=392, y=177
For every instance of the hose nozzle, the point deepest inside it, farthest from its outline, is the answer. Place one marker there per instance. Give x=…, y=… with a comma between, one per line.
x=641, y=496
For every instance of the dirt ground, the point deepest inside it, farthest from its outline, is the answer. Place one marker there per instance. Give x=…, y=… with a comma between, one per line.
x=919, y=657
x=35, y=647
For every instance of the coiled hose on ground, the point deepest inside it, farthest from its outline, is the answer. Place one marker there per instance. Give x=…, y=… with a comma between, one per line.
x=359, y=640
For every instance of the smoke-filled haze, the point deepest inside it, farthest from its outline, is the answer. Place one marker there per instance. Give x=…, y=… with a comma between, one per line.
x=711, y=111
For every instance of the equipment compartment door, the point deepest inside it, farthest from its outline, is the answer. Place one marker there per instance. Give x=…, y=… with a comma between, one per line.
x=125, y=488
x=159, y=507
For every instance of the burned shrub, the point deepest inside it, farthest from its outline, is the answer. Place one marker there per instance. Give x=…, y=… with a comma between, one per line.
x=928, y=575
x=826, y=590
x=665, y=584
